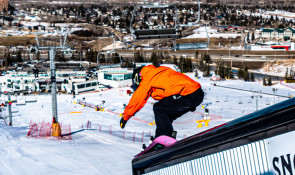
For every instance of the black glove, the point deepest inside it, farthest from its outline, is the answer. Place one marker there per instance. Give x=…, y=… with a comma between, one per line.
x=122, y=123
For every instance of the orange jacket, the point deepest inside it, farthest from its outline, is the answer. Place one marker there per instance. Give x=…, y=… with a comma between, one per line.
x=158, y=83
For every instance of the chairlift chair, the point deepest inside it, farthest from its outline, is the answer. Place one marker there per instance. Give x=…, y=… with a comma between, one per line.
x=240, y=101
x=267, y=101
x=217, y=99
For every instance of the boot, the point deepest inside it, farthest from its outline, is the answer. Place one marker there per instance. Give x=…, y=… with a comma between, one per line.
x=151, y=139
x=143, y=147
x=173, y=135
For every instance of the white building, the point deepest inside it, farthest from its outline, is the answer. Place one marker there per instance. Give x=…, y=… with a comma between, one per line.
x=288, y=33
x=32, y=18
x=115, y=77
x=22, y=81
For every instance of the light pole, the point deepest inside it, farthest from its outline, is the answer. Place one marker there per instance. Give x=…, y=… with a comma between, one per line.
x=56, y=130
x=257, y=95
x=274, y=90
x=97, y=61
x=231, y=61
x=53, y=84
x=9, y=110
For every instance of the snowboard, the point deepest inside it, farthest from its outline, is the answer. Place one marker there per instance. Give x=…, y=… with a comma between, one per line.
x=158, y=143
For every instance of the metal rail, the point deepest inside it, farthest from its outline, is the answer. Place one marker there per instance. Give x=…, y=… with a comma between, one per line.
x=226, y=141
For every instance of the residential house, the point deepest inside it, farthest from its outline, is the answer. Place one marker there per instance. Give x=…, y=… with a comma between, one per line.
x=288, y=33
x=278, y=34
x=266, y=33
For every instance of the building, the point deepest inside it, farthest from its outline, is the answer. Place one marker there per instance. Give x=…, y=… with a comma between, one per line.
x=190, y=46
x=115, y=77
x=4, y=5
x=271, y=47
x=24, y=81
x=76, y=86
x=287, y=34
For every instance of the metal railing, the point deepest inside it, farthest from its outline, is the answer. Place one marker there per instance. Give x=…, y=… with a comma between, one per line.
x=237, y=147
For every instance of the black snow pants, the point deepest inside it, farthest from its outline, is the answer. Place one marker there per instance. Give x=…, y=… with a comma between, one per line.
x=170, y=108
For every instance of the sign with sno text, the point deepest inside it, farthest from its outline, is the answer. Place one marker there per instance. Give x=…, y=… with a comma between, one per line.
x=281, y=154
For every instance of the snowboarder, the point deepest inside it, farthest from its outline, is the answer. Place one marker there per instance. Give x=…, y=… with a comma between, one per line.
x=177, y=95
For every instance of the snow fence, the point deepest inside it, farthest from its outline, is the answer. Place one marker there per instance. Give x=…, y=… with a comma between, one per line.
x=126, y=135
x=132, y=136
x=43, y=130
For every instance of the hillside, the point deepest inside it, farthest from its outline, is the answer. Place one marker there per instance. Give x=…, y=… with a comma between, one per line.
x=278, y=67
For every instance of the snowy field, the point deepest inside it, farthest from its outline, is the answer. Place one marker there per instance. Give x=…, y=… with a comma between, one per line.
x=280, y=14
x=202, y=33
x=93, y=152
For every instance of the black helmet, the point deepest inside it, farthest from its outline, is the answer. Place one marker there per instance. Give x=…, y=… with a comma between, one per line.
x=136, y=77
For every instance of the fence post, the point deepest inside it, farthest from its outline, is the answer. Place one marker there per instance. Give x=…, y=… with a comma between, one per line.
x=41, y=128
x=70, y=132
x=134, y=136
x=48, y=129
x=37, y=130
x=142, y=137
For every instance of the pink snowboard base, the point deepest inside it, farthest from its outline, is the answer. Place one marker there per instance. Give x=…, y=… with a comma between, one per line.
x=166, y=141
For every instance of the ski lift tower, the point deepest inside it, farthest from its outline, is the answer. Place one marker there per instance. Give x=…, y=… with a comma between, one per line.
x=56, y=131
x=112, y=51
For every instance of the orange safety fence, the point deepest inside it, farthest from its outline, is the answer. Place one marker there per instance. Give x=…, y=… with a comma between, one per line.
x=44, y=129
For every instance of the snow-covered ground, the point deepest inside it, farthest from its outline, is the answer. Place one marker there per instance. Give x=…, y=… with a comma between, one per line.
x=202, y=33
x=94, y=152
x=281, y=14
x=117, y=45
x=15, y=32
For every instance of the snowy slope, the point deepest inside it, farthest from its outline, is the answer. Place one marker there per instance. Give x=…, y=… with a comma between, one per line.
x=87, y=153
x=95, y=152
